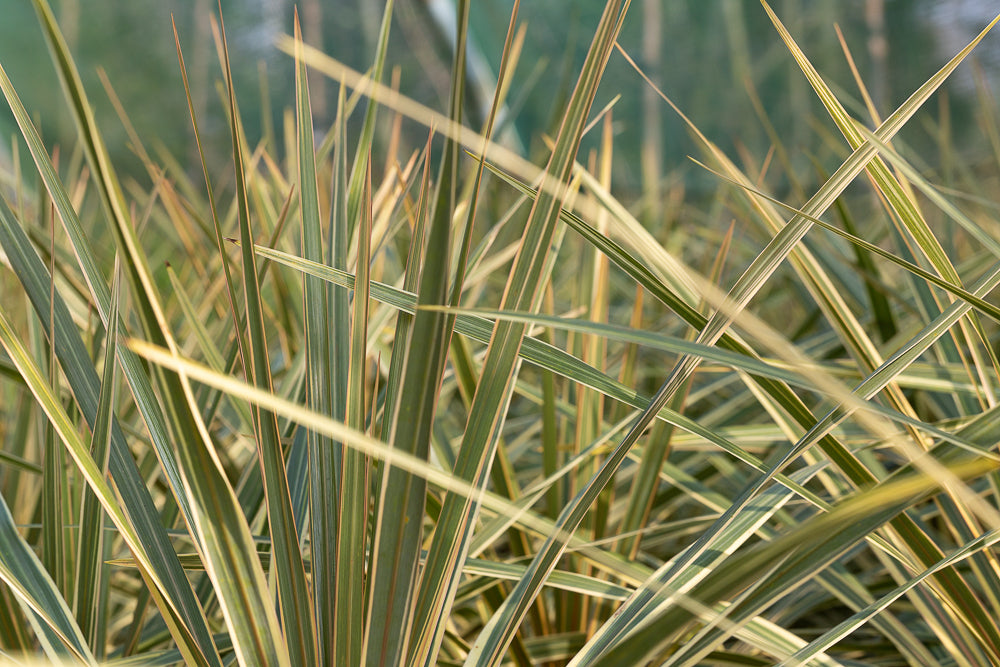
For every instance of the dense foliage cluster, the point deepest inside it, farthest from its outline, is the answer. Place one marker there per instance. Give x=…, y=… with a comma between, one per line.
x=344, y=401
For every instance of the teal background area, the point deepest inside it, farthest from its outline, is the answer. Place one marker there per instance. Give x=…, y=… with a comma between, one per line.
x=709, y=50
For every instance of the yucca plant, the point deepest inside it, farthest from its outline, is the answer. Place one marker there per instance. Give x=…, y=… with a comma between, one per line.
x=356, y=403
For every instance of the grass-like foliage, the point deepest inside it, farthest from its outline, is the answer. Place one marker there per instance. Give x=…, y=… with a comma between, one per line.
x=349, y=403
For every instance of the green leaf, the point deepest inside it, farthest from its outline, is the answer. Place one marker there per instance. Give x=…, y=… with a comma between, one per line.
x=178, y=601
x=353, y=501
x=91, y=473
x=500, y=366
x=293, y=592
x=91, y=582
x=776, y=567
x=21, y=570
x=322, y=376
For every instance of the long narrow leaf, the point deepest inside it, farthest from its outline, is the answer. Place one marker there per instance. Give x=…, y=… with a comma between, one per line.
x=21, y=570
x=293, y=593
x=91, y=597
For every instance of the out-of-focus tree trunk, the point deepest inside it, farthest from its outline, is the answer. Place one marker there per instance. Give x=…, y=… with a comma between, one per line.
x=197, y=63
x=312, y=34
x=69, y=23
x=480, y=80
x=651, y=152
x=440, y=19
x=371, y=22
x=878, y=51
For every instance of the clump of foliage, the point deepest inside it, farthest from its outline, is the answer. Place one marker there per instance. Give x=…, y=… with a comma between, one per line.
x=380, y=408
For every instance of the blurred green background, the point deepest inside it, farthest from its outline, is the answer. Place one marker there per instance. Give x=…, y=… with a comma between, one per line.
x=710, y=56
